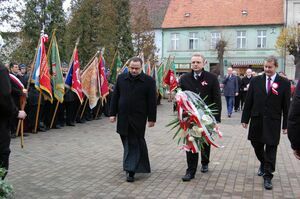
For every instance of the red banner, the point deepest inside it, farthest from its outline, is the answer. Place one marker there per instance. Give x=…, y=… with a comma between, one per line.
x=170, y=79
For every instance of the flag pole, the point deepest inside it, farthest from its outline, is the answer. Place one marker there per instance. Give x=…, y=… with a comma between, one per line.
x=48, y=53
x=99, y=106
x=21, y=121
x=37, y=112
x=54, y=114
x=85, y=103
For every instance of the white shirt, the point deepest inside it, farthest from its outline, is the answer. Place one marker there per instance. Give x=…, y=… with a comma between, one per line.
x=272, y=80
x=196, y=75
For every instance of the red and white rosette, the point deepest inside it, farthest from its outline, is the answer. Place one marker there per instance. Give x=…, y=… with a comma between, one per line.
x=274, y=87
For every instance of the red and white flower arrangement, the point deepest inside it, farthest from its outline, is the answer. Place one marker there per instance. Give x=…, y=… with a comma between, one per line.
x=195, y=122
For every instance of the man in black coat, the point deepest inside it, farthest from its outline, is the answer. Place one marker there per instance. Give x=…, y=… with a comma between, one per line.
x=134, y=102
x=207, y=86
x=245, y=86
x=8, y=110
x=267, y=101
x=294, y=123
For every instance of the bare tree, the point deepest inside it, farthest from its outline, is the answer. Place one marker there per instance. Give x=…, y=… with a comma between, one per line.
x=289, y=40
x=220, y=47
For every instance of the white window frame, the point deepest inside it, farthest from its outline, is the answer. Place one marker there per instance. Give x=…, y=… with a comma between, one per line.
x=261, y=38
x=215, y=38
x=174, y=41
x=193, y=40
x=241, y=36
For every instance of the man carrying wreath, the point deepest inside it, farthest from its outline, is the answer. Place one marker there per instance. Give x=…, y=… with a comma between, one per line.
x=207, y=86
x=267, y=100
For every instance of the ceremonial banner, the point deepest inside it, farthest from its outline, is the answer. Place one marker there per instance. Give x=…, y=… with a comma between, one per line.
x=41, y=75
x=91, y=83
x=103, y=80
x=117, y=64
x=159, y=79
x=73, y=76
x=57, y=76
x=170, y=79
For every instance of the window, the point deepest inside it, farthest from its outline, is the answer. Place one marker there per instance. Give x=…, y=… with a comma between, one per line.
x=193, y=41
x=261, y=39
x=215, y=38
x=241, y=39
x=174, y=41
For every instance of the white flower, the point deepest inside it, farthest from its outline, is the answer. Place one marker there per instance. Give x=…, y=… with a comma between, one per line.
x=207, y=119
x=196, y=131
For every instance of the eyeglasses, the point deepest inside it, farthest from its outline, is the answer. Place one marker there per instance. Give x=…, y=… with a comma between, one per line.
x=196, y=62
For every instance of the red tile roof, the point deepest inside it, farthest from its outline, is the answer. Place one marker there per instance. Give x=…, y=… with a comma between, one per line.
x=156, y=10
x=223, y=13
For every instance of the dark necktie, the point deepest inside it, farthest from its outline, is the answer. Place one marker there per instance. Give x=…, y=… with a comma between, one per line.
x=269, y=85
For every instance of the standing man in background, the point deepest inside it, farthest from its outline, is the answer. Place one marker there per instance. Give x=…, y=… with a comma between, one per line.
x=245, y=85
x=8, y=110
x=231, y=89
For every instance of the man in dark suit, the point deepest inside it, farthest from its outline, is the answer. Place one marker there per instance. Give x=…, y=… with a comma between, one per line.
x=8, y=110
x=134, y=102
x=207, y=86
x=231, y=89
x=267, y=101
x=294, y=122
x=237, y=98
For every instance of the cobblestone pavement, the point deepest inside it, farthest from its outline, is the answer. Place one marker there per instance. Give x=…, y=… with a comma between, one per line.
x=86, y=162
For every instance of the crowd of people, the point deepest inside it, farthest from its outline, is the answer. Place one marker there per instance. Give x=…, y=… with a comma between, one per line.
x=263, y=99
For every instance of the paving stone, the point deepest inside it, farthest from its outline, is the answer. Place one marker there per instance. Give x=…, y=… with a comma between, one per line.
x=85, y=161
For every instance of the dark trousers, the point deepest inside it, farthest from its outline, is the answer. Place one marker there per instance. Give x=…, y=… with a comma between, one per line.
x=192, y=159
x=4, y=144
x=71, y=109
x=243, y=98
x=266, y=154
x=237, y=100
x=135, y=157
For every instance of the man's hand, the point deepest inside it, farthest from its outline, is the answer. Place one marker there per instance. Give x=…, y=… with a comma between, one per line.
x=236, y=94
x=112, y=119
x=22, y=115
x=297, y=154
x=245, y=126
x=284, y=131
x=151, y=124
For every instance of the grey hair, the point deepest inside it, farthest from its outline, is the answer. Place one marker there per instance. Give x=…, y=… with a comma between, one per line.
x=199, y=55
x=273, y=59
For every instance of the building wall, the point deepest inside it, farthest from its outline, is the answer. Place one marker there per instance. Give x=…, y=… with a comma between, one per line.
x=158, y=42
x=232, y=54
x=292, y=14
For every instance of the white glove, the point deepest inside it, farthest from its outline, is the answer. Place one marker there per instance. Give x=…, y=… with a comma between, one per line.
x=22, y=115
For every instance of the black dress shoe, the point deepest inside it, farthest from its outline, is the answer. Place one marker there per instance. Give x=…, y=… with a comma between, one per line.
x=204, y=168
x=268, y=184
x=187, y=177
x=260, y=171
x=129, y=176
x=70, y=124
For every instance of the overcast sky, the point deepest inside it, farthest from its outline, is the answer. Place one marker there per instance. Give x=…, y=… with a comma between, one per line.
x=6, y=27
